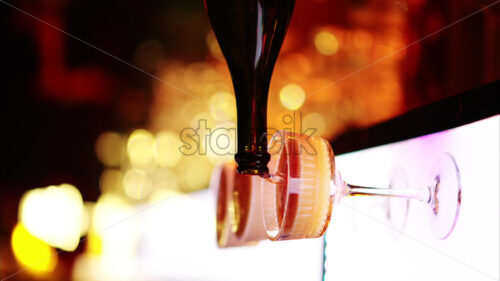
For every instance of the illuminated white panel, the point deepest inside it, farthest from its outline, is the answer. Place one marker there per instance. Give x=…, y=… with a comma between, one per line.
x=360, y=245
x=179, y=243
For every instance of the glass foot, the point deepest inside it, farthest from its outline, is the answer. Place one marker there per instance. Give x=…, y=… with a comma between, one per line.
x=445, y=195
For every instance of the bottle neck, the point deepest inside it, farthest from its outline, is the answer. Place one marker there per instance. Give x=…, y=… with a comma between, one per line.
x=251, y=103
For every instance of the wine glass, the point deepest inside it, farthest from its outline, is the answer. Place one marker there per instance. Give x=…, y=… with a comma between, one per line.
x=304, y=185
x=238, y=210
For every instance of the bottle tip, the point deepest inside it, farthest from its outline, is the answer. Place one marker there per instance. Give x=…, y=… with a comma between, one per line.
x=252, y=163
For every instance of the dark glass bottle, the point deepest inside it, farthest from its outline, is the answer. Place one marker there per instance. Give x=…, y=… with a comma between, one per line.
x=250, y=34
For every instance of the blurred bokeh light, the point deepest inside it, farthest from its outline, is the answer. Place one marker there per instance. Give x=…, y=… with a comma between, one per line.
x=110, y=148
x=136, y=184
x=31, y=252
x=326, y=43
x=54, y=214
x=292, y=96
x=223, y=106
x=167, y=147
x=140, y=148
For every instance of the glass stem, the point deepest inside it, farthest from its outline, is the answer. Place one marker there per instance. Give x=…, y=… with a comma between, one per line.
x=420, y=194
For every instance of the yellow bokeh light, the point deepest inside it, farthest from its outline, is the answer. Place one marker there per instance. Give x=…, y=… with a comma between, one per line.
x=140, y=148
x=31, y=252
x=167, y=153
x=194, y=173
x=326, y=43
x=223, y=106
x=164, y=178
x=111, y=180
x=110, y=148
x=315, y=121
x=54, y=215
x=292, y=96
x=94, y=243
x=222, y=143
x=136, y=184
